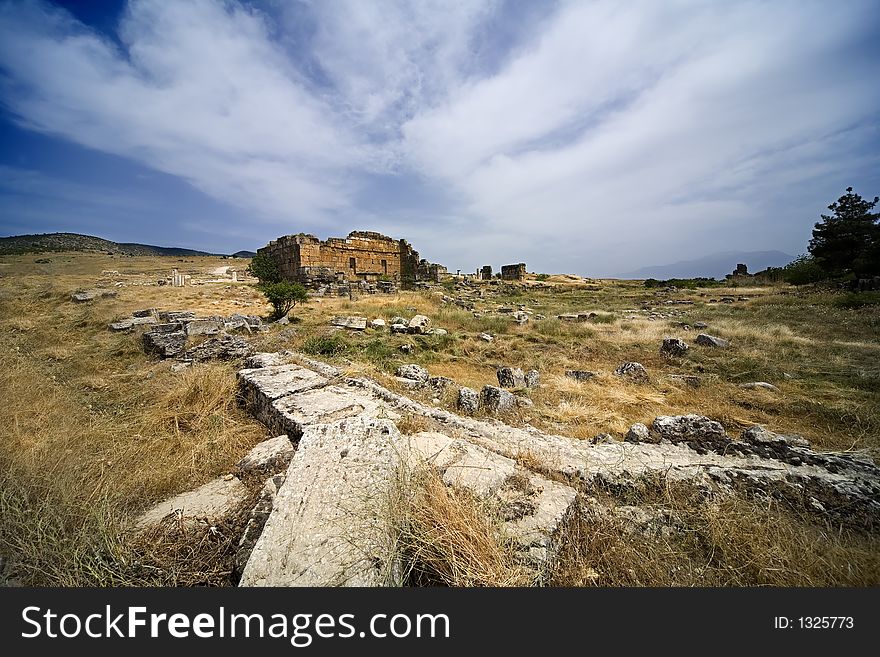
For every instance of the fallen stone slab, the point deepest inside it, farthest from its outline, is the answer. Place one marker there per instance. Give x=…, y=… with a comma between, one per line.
x=329, y=523
x=293, y=413
x=176, y=315
x=204, y=327
x=130, y=322
x=697, y=431
x=221, y=347
x=413, y=372
x=91, y=295
x=711, y=341
x=207, y=504
x=845, y=485
x=272, y=454
x=164, y=345
x=267, y=359
x=259, y=387
x=352, y=322
x=759, y=385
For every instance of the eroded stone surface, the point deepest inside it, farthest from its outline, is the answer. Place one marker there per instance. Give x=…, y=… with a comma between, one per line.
x=293, y=413
x=486, y=456
x=207, y=504
x=259, y=387
x=711, y=341
x=271, y=454
x=328, y=524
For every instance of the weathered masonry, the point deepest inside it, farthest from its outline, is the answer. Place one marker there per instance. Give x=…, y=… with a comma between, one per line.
x=513, y=272
x=363, y=255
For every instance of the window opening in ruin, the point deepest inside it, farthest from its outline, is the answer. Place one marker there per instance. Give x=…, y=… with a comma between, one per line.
x=351, y=263
x=385, y=267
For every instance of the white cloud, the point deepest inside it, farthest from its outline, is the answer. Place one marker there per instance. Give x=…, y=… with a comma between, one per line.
x=603, y=133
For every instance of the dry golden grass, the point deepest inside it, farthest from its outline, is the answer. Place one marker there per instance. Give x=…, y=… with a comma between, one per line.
x=94, y=431
x=726, y=542
x=446, y=537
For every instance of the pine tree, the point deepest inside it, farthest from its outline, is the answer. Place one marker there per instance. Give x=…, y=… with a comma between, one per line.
x=848, y=240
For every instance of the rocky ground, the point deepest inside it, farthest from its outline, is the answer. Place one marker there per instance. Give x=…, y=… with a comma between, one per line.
x=560, y=431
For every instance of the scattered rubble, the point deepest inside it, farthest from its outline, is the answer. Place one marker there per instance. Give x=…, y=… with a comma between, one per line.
x=511, y=377
x=91, y=295
x=326, y=524
x=581, y=375
x=673, y=347
x=759, y=385
x=350, y=322
x=711, y=341
x=632, y=371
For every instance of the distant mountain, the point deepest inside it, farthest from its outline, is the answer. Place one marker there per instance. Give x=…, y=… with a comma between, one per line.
x=716, y=265
x=77, y=242
x=244, y=254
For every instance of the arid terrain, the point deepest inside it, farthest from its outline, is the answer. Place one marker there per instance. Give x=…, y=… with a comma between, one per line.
x=95, y=430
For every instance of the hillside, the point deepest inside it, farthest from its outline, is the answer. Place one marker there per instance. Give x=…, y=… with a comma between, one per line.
x=75, y=242
x=716, y=265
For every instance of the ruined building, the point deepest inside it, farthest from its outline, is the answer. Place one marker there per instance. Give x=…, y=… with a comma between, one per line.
x=513, y=272
x=363, y=255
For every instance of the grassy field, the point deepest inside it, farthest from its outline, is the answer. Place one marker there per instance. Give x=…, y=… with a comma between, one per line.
x=95, y=431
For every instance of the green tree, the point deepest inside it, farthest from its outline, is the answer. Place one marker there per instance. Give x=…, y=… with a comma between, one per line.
x=283, y=296
x=848, y=240
x=802, y=270
x=265, y=269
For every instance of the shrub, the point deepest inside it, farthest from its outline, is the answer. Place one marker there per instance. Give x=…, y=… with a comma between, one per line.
x=857, y=300
x=803, y=270
x=326, y=345
x=265, y=269
x=283, y=296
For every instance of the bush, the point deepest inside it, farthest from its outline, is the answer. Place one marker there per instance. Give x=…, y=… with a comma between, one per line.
x=265, y=269
x=542, y=277
x=803, y=270
x=326, y=345
x=689, y=283
x=857, y=300
x=283, y=296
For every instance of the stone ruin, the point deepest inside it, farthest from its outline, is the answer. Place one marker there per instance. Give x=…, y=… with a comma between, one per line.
x=362, y=256
x=323, y=521
x=513, y=272
x=178, y=279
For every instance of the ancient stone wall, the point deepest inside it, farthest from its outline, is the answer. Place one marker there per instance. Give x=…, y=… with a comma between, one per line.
x=486, y=273
x=513, y=272
x=363, y=255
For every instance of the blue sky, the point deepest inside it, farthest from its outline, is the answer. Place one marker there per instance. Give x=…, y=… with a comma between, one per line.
x=585, y=137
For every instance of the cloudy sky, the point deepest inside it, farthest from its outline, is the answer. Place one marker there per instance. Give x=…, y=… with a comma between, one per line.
x=586, y=137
